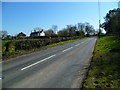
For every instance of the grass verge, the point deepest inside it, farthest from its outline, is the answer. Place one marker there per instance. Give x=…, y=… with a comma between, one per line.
x=14, y=54
x=104, y=71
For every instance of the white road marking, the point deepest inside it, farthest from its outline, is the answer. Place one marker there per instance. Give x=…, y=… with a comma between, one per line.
x=0, y=78
x=67, y=49
x=77, y=44
x=82, y=42
x=38, y=62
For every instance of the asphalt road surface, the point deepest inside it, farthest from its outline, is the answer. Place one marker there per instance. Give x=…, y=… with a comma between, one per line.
x=58, y=67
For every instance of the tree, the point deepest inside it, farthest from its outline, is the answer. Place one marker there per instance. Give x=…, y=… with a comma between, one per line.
x=68, y=31
x=54, y=28
x=3, y=34
x=37, y=29
x=80, y=33
x=50, y=32
x=112, y=22
x=71, y=29
x=89, y=28
x=81, y=26
x=63, y=32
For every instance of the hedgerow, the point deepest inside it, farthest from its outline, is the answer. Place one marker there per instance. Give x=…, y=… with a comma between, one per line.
x=13, y=46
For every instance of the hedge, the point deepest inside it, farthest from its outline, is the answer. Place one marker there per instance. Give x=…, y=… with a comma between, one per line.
x=12, y=46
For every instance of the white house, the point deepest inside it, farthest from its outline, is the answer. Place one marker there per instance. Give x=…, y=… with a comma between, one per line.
x=37, y=33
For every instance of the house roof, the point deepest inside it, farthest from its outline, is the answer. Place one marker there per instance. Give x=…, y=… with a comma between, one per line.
x=37, y=32
x=21, y=34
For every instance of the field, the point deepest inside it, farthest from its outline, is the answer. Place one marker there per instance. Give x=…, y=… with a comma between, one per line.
x=104, y=71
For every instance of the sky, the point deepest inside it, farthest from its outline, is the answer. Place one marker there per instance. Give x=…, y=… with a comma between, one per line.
x=25, y=16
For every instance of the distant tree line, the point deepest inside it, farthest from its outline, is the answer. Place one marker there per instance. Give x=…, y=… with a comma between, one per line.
x=80, y=29
x=112, y=22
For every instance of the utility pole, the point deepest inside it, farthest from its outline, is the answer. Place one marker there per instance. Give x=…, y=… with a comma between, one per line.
x=119, y=4
x=99, y=14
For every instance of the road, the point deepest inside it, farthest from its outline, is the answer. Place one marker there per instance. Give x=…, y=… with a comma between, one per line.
x=58, y=67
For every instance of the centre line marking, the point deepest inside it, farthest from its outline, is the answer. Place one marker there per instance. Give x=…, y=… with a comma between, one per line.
x=38, y=62
x=77, y=45
x=67, y=49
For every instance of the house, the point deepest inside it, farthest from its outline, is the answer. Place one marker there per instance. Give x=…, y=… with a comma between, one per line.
x=37, y=33
x=21, y=35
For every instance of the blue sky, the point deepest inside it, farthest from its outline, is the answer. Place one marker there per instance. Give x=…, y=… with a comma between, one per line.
x=25, y=16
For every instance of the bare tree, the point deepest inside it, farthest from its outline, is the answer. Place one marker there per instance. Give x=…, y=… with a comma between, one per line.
x=88, y=28
x=54, y=28
x=81, y=26
x=50, y=32
x=37, y=29
x=63, y=32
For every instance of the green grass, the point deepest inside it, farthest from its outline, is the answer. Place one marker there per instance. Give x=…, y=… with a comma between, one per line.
x=104, y=71
x=64, y=42
x=13, y=53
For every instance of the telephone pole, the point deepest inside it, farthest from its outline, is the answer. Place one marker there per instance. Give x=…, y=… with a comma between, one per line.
x=99, y=14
